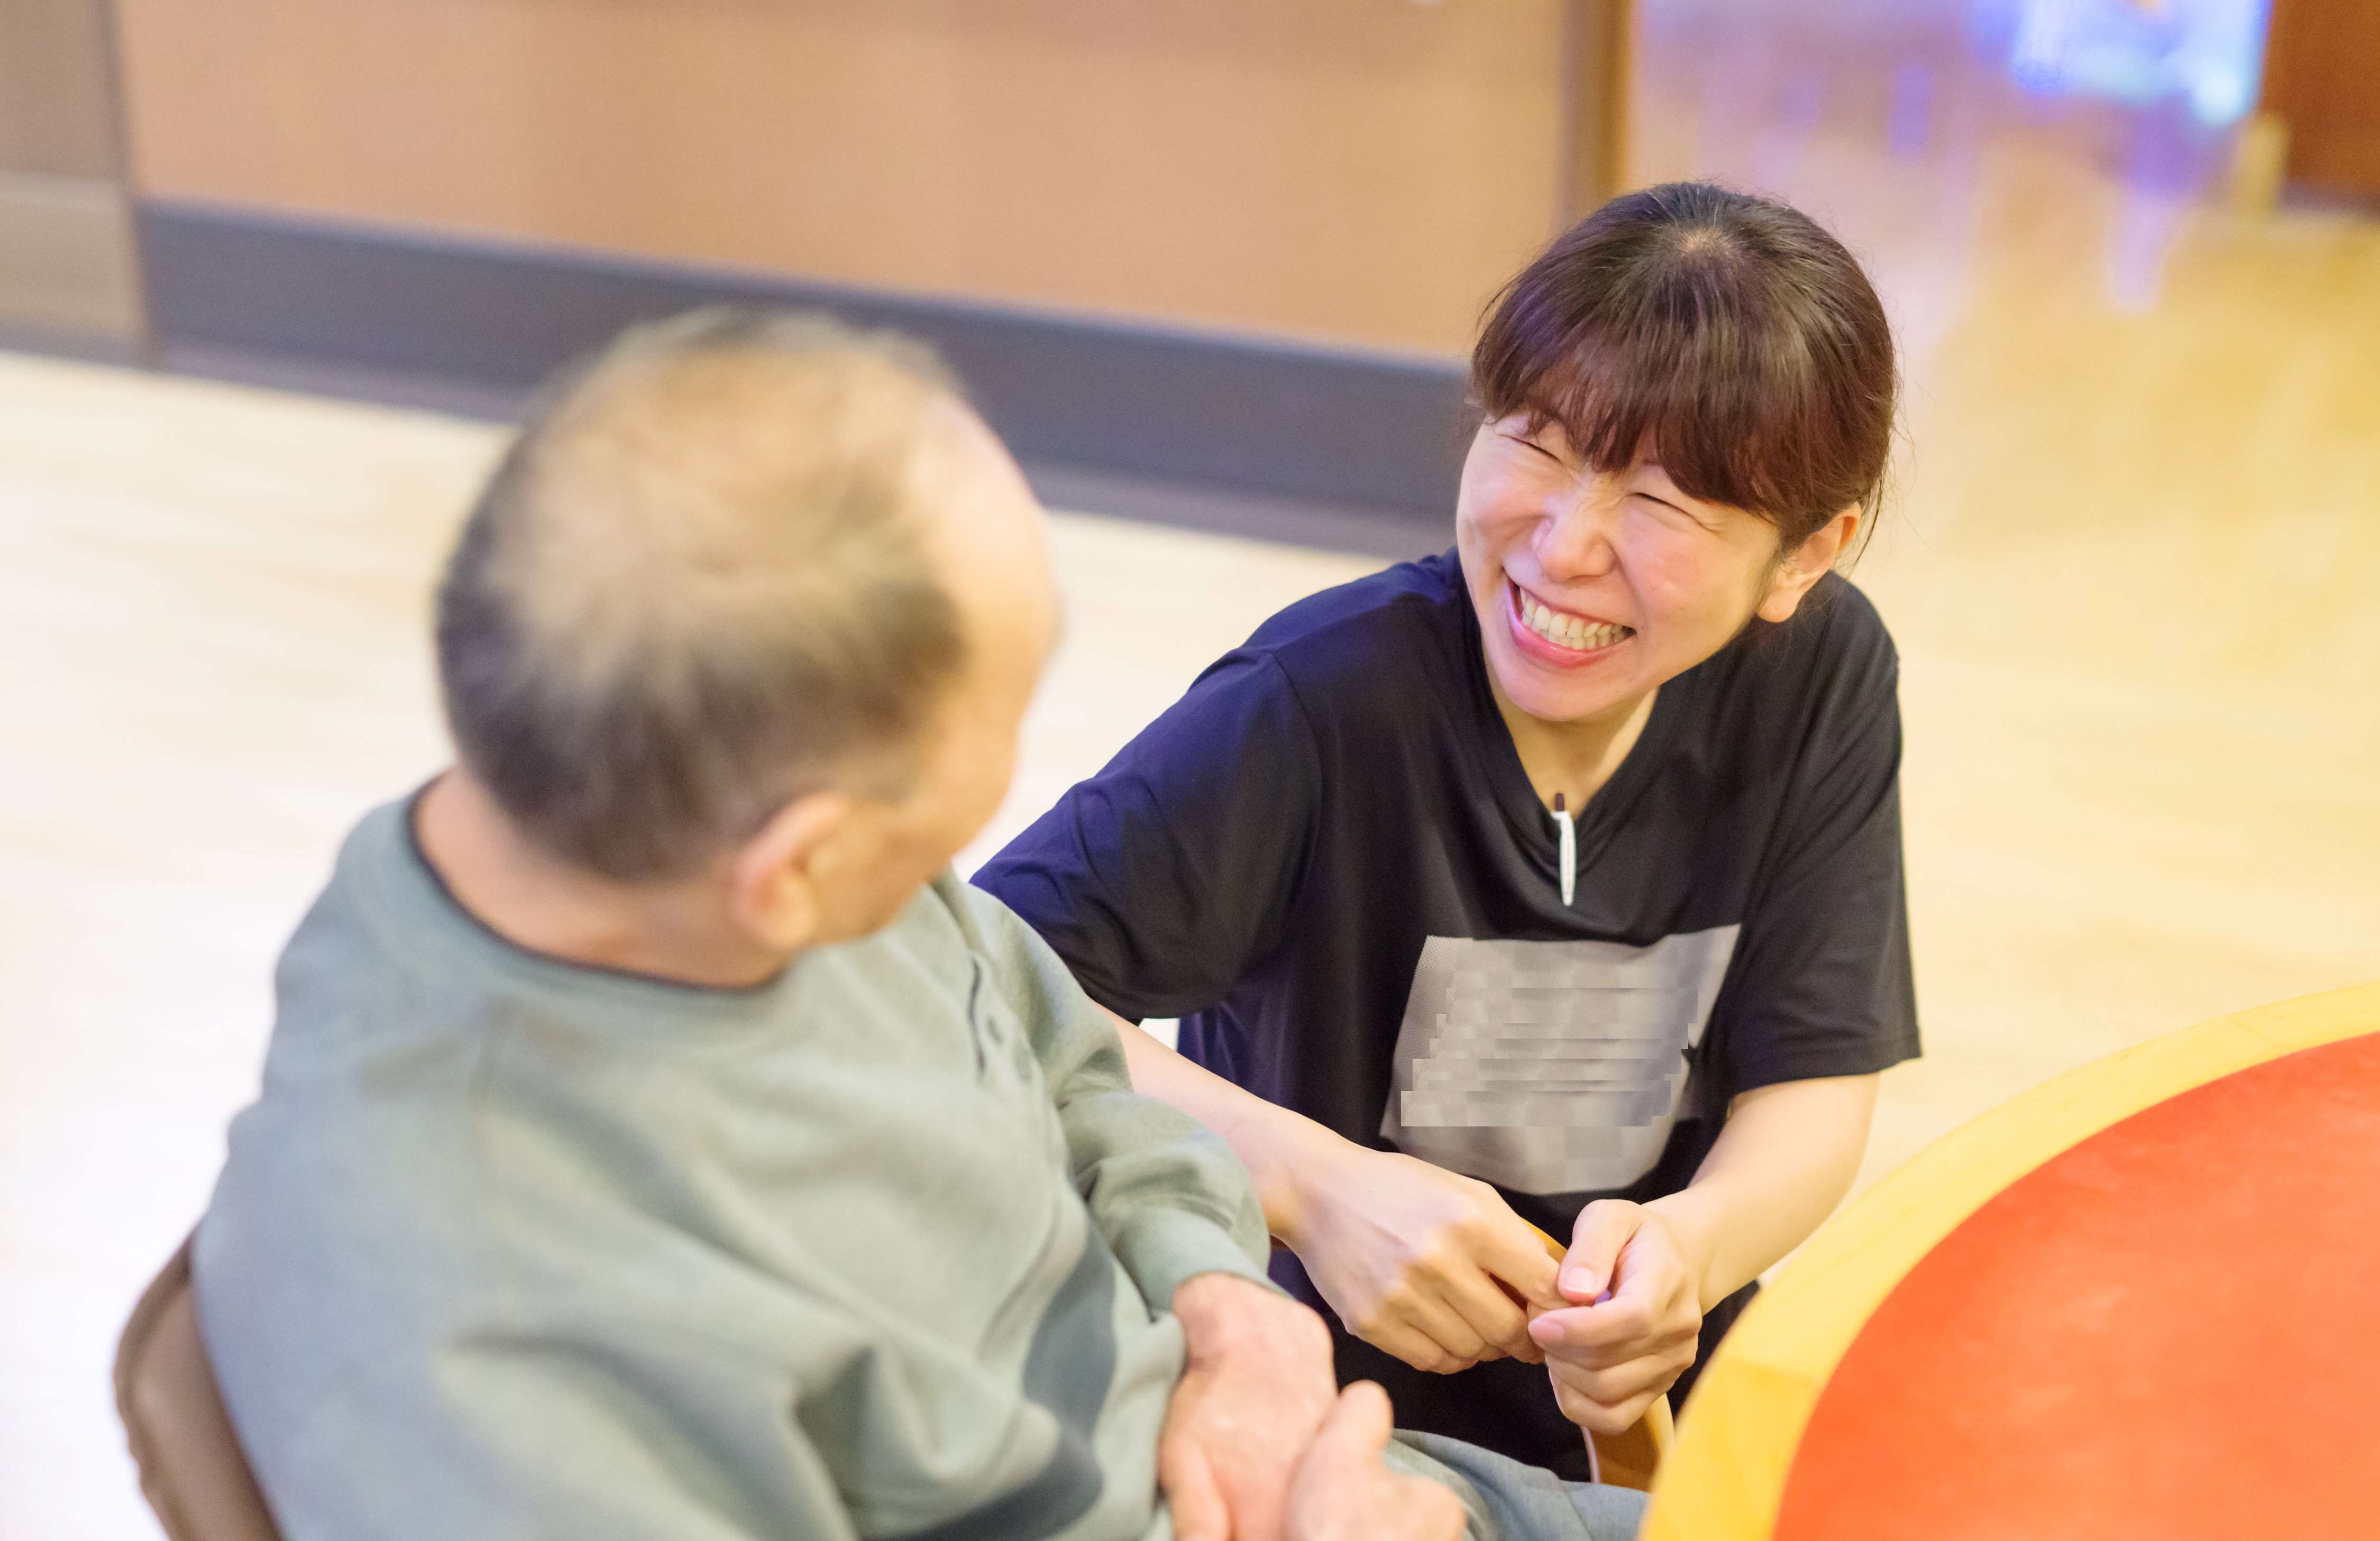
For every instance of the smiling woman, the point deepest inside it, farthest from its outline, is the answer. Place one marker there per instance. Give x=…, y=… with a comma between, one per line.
x=1554, y=880
x=1684, y=356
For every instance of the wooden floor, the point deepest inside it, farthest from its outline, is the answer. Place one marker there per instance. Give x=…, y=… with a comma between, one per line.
x=2130, y=566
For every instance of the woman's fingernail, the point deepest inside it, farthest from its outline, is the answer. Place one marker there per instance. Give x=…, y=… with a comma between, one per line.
x=1579, y=1281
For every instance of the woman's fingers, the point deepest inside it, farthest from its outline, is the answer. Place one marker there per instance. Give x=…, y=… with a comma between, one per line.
x=1647, y=1375
x=1491, y=1244
x=1605, y=1389
x=1602, y=1233
x=1423, y=1263
x=1433, y=1317
x=1513, y=1251
x=1602, y=1417
x=1410, y=1344
x=1500, y=1322
x=1650, y=1311
x=1606, y=1334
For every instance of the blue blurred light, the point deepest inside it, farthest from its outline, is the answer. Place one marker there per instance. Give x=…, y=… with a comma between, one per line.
x=2207, y=53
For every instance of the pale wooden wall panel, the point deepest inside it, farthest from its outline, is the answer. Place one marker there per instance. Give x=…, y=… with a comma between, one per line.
x=1357, y=170
x=66, y=263
x=68, y=270
x=57, y=117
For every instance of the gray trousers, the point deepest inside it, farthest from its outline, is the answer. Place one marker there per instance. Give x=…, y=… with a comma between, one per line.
x=1510, y=1502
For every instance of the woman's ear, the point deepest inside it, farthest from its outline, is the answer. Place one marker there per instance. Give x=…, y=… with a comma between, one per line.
x=1798, y=570
x=777, y=890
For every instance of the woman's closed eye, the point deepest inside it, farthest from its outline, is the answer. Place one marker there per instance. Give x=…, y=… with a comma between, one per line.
x=1528, y=443
x=1675, y=512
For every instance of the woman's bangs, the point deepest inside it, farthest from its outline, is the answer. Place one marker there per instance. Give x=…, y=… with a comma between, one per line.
x=1715, y=420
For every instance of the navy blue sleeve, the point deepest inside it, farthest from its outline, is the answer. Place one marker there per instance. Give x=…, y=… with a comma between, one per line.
x=1825, y=986
x=1162, y=878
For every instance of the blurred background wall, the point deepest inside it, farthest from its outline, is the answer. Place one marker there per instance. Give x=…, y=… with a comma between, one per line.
x=1214, y=260
x=67, y=267
x=1195, y=243
x=1359, y=171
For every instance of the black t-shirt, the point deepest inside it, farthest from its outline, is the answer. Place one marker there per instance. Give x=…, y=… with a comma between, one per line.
x=1326, y=860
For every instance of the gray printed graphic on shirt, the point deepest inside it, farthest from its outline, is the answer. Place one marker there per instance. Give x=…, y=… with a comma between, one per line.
x=1551, y=1067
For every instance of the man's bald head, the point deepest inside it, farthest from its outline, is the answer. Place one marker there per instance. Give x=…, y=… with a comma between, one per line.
x=698, y=586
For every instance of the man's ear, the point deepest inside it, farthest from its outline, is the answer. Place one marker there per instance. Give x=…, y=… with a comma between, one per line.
x=1798, y=570
x=776, y=880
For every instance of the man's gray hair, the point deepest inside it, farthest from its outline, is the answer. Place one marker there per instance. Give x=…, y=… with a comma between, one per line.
x=695, y=589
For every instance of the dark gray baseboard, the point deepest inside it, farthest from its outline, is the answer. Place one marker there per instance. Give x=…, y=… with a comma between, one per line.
x=1368, y=529
x=1282, y=439
x=81, y=346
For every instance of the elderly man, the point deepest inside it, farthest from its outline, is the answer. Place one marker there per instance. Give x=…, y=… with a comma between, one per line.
x=656, y=1140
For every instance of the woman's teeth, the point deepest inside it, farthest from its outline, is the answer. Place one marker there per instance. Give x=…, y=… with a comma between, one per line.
x=1569, y=631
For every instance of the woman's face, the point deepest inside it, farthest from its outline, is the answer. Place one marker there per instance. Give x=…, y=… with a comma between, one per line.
x=1593, y=589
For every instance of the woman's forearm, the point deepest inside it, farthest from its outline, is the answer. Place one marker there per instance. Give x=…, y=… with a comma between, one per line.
x=1276, y=1144
x=1785, y=1159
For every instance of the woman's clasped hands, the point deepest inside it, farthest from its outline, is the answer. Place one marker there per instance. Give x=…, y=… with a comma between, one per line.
x=1436, y=1269
x=1421, y=1263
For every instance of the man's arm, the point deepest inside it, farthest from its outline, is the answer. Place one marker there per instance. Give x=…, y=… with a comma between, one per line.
x=1169, y=1196
x=1181, y=1216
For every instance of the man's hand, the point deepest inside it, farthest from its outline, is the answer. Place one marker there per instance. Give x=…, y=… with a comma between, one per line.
x=1635, y=1283
x=1419, y=1262
x=1257, y=1387
x=1344, y=1493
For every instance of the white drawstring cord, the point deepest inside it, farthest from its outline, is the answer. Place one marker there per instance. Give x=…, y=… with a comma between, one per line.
x=1569, y=848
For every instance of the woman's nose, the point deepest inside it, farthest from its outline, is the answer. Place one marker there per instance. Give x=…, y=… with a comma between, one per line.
x=1576, y=538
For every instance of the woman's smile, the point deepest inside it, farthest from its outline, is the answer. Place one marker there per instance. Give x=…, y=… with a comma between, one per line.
x=1563, y=638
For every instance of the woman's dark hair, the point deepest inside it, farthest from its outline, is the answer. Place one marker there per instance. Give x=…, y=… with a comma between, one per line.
x=1726, y=336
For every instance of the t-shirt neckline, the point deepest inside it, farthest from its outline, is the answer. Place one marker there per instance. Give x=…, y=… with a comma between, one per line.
x=1532, y=823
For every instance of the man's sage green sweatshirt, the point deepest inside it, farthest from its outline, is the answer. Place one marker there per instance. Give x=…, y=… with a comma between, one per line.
x=510, y=1247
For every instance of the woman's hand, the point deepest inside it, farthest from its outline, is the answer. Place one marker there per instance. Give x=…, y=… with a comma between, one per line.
x=1418, y=1262
x=1432, y=1267
x=1636, y=1281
